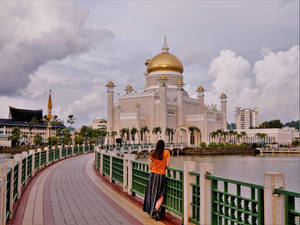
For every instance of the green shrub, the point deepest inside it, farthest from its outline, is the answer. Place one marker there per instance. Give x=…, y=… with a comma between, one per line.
x=203, y=145
x=212, y=145
x=222, y=145
x=228, y=145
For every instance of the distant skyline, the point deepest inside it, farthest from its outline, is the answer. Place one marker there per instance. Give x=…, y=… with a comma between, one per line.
x=247, y=49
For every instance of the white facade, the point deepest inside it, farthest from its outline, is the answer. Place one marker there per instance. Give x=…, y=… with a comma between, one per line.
x=164, y=103
x=281, y=136
x=98, y=124
x=246, y=118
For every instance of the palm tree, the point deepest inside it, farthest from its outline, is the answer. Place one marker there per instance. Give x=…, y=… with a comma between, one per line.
x=31, y=124
x=122, y=133
x=244, y=134
x=219, y=134
x=113, y=134
x=71, y=120
x=156, y=130
x=230, y=133
x=15, y=136
x=192, y=132
x=169, y=132
x=144, y=130
x=133, y=132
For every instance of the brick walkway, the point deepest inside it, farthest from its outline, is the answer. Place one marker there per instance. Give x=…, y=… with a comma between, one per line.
x=69, y=192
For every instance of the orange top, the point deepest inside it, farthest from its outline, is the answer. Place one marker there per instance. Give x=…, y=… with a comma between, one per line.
x=159, y=166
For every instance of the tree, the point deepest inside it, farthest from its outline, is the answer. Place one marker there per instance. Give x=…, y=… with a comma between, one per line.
x=15, y=136
x=271, y=124
x=113, y=134
x=55, y=119
x=71, y=120
x=31, y=124
x=122, y=133
x=38, y=140
x=294, y=124
x=133, y=132
x=53, y=140
x=169, y=132
x=78, y=140
x=144, y=130
x=156, y=130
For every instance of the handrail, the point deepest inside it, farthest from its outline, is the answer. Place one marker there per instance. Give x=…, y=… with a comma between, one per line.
x=286, y=192
x=213, y=177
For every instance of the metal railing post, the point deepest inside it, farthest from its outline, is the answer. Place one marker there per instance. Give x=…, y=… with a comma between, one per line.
x=274, y=207
x=3, y=174
x=47, y=155
x=20, y=176
x=32, y=152
x=205, y=193
x=188, y=192
x=11, y=190
x=101, y=161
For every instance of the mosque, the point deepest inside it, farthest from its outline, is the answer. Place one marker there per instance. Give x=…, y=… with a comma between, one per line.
x=164, y=103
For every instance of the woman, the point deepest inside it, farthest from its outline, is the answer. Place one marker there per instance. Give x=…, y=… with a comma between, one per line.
x=158, y=162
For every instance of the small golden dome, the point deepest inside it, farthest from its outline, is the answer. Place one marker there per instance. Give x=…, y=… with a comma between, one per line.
x=223, y=95
x=200, y=88
x=129, y=87
x=179, y=82
x=147, y=61
x=137, y=105
x=110, y=83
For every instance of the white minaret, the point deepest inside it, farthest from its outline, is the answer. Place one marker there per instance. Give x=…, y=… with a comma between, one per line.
x=110, y=105
x=201, y=91
x=224, y=110
x=179, y=85
x=163, y=113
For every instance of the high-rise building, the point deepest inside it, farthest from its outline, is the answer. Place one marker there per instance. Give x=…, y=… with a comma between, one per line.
x=246, y=118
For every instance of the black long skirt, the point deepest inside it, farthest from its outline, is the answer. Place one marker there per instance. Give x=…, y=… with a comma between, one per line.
x=156, y=187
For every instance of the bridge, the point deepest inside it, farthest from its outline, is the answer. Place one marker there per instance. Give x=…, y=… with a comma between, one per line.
x=88, y=185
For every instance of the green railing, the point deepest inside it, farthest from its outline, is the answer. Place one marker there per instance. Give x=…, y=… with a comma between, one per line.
x=76, y=149
x=140, y=174
x=195, y=198
x=117, y=169
x=63, y=152
x=43, y=158
x=70, y=151
x=106, y=165
x=236, y=208
x=8, y=182
x=92, y=147
x=173, y=198
x=15, y=186
x=36, y=160
x=98, y=160
x=23, y=174
x=56, y=154
x=51, y=155
x=289, y=200
x=29, y=166
x=80, y=149
x=86, y=148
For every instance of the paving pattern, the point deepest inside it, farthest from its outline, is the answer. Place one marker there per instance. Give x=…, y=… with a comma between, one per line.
x=70, y=193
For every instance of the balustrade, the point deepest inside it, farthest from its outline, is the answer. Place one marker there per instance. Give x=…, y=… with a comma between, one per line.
x=201, y=197
x=14, y=174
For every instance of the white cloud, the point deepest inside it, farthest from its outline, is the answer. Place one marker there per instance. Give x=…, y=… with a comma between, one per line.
x=273, y=85
x=36, y=32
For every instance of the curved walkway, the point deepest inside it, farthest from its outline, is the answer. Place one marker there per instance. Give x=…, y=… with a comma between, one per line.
x=70, y=192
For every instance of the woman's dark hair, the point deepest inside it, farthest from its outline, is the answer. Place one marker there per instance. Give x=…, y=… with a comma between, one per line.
x=159, y=150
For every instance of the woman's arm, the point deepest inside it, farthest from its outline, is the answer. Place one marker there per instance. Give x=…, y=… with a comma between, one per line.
x=168, y=161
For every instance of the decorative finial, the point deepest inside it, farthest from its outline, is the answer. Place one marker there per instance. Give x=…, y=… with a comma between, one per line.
x=165, y=47
x=49, y=115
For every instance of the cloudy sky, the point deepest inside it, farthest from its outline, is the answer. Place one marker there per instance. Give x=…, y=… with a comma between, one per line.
x=247, y=49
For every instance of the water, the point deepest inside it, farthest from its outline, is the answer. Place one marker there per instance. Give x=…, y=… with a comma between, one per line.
x=249, y=169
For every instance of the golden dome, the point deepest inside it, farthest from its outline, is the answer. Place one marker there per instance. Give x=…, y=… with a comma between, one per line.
x=129, y=87
x=165, y=61
x=163, y=76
